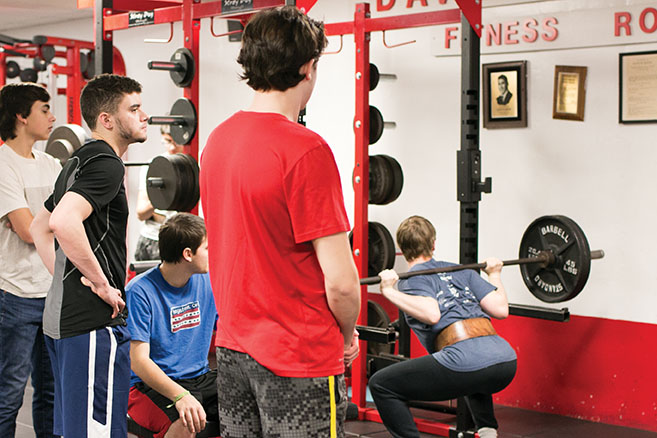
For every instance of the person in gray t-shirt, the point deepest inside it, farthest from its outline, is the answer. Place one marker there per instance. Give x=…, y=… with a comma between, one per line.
x=450, y=314
x=27, y=178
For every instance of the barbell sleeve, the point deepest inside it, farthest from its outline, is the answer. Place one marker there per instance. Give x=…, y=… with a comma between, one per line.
x=165, y=66
x=168, y=120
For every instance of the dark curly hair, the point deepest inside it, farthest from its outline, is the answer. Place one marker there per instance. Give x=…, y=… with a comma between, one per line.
x=275, y=44
x=103, y=94
x=18, y=99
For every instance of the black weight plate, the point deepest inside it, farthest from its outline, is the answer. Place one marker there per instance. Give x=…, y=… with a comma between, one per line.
x=47, y=53
x=188, y=188
x=374, y=76
x=380, y=180
x=396, y=177
x=90, y=70
x=183, y=134
x=84, y=62
x=12, y=69
x=29, y=75
x=380, y=246
x=39, y=64
x=184, y=76
x=377, y=317
x=162, y=197
x=566, y=277
x=376, y=124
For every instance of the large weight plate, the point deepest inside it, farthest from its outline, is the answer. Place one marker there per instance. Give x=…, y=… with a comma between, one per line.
x=566, y=277
x=374, y=76
x=179, y=188
x=12, y=69
x=377, y=317
x=64, y=140
x=376, y=124
x=386, y=179
x=380, y=248
x=184, y=76
x=183, y=134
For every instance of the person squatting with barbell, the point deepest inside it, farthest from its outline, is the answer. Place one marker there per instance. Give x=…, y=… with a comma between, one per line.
x=450, y=314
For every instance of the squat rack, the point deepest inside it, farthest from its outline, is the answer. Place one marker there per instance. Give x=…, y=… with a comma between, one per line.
x=64, y=48
x=113, y=15
x=469, y=184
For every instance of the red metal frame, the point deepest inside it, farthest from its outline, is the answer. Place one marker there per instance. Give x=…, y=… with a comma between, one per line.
x=69, y=50
x=361, y=27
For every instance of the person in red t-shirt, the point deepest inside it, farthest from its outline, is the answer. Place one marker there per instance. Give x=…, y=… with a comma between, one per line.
x=285, y=284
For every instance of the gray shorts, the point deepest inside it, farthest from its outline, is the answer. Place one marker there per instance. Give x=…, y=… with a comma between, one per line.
x=254, y=402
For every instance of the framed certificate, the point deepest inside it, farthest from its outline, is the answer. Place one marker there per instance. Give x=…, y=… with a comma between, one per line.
x=505, y=94
x=569, y=92
x=637, y=90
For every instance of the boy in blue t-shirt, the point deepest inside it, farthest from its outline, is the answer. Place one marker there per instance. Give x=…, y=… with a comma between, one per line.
x=450, y=314
x=171, y=319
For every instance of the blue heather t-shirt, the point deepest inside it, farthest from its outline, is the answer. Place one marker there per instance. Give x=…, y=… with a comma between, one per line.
x=177, y=322
x=458, y=294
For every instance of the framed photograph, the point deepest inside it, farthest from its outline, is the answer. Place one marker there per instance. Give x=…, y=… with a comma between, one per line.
x=569, y=92
x=637, y=90
x=505, y=94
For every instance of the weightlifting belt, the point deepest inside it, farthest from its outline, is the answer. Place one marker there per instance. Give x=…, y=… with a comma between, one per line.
x=462, y=330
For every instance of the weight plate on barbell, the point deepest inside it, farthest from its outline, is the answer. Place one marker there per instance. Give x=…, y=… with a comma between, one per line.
x=172, y=182
x=64, y=140
x=563, y=279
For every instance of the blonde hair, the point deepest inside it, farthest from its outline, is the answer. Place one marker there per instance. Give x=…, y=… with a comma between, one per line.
x=416, y=237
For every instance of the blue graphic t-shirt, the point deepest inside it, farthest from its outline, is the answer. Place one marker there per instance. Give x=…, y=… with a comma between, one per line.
x=458, y=294
x=176, y=322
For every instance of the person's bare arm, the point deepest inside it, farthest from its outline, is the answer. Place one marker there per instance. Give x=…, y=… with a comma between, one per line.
x=145, y=209
x=191, y=412
x=341, y=282
x=44, y=239
x=20, y=220
x=495, y=303
x=424, y=309
x=66, y=222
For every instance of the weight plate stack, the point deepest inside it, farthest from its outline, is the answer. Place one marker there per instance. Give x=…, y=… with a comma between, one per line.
x=380, y=246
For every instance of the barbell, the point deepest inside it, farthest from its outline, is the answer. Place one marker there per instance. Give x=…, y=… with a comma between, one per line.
x=555, y=260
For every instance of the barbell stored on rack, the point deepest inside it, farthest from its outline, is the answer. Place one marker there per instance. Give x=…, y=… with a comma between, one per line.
x=555, y=260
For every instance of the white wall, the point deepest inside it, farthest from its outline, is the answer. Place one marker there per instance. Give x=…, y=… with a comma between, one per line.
x=597, y=172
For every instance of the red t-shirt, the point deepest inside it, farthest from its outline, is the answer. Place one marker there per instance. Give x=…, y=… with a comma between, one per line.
x=270, y=186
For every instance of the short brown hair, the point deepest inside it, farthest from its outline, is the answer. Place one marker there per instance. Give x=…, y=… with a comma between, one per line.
x=180, y=231
x=103, y=94
x=275, y=44
x=416, y=237
x=15, y=99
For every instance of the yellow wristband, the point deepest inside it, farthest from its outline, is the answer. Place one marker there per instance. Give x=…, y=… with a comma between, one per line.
x=177, y=399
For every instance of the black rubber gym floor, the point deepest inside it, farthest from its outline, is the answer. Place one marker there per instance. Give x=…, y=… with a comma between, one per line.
x=514, y=423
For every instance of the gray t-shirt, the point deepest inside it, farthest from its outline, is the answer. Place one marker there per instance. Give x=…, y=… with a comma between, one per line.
x=458, y=294
x=24, y=183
